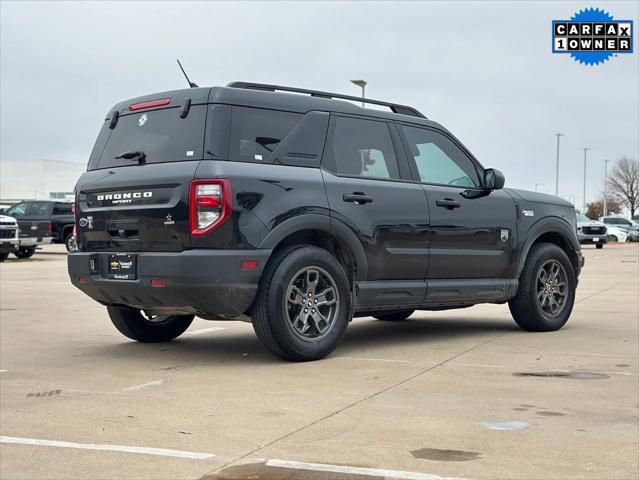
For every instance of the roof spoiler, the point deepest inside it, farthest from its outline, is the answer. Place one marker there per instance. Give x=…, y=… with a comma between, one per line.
x=395, y=108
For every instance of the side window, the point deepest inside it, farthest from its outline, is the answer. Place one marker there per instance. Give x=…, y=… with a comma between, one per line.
x=62, y=209
x=19, y=210
x=256, y=132
x=39, y=209
x=439, y=160
x=361, y=148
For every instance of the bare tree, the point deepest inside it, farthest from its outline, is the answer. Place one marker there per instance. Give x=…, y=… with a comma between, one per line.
x=623, y=183
x=594, y=210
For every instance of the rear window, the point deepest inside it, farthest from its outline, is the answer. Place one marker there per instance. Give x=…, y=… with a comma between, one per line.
x=161, y=134
x=256, y=132
x=39, y=209
x=62, y=209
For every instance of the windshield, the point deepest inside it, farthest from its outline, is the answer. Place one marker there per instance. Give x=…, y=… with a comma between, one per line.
x=160, y=134
x=582, y=218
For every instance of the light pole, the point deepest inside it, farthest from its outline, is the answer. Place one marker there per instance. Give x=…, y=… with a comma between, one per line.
x=538, y=185
x=362, y=84
x=559, y=135
x=585, y=151
x=605, y=207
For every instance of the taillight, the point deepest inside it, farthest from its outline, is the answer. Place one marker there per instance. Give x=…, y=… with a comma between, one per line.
x=49, y=228
x=210, y=205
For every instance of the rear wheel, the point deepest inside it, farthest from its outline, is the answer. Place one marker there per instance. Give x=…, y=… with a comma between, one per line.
x=394, y=316
x=303, y=305
x=546, y=291
x=25, y=252
x=69, y=242
x=140, y=326
x=600, y=245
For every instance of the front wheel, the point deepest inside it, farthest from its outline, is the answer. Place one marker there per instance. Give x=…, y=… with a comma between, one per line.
x=613, y=238
x=24, y=252
x=138, y=325
x=3, y=256
x=599, y=245
x=546, y=291
x=303, y=305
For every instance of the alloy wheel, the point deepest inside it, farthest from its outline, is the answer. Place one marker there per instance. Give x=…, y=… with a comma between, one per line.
x=312, y=303
x=552, y=288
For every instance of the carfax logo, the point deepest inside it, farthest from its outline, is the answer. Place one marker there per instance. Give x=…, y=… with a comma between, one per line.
x=592, y=36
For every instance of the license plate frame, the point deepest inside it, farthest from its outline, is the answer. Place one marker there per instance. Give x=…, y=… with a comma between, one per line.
x=595, y=239
x=122, y=266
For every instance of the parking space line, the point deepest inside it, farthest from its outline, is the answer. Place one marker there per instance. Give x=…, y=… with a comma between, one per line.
x=371, y=472
x=162, y=452
x=143, y=385
x=205, y=330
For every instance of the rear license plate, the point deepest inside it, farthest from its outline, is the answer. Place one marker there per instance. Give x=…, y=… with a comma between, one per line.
x=596, y=239
x=122, y=266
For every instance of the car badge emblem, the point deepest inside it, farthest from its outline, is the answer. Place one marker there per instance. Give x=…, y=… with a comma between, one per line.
x=169, y=220
x=86, y=222
x=34, y=227
x=528, y=213
x=504, y=235
x=142, y=120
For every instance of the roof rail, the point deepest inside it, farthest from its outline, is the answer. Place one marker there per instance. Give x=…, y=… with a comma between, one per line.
x=395, y=108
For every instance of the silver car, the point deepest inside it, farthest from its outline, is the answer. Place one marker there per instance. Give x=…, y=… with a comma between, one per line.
x=591, y=232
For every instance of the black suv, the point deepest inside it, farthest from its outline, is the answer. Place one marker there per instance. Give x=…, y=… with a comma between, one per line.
x=301, y=211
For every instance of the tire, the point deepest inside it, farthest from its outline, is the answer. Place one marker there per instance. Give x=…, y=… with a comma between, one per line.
x=613, y=238
x=599, y=245
x=4, y=256
x=133, y=324
x=526, y=307
x=69, y=242
x=394, y=316
x=24, y=252
x=279, y=322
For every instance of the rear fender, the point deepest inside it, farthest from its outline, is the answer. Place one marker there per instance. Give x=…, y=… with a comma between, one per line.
x=323, y=223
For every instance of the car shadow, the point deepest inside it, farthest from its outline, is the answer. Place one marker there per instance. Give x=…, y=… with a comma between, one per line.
x=241, y=346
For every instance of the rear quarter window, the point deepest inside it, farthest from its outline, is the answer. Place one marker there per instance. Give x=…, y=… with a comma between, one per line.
x=256, y=132
x=161, y=134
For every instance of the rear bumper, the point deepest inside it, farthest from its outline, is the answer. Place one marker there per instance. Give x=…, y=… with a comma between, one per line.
x=196, y=281
x=33, y=241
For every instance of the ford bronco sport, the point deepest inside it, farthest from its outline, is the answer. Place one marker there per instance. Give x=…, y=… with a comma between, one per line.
x=298, y=210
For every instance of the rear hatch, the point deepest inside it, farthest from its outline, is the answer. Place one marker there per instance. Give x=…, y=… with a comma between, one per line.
x=134, y=196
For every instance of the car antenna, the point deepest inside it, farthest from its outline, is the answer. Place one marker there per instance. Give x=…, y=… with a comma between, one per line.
x=191, y=84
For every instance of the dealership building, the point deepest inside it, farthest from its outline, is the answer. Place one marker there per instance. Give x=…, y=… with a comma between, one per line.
x=38, y=179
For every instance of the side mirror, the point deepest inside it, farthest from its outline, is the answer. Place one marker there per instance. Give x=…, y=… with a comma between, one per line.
x=493, y=179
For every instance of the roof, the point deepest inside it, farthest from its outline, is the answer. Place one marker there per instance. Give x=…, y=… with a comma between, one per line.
x=245, y=94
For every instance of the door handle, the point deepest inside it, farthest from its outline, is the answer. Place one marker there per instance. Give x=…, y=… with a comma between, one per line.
x=448, y=203
x=359, y=198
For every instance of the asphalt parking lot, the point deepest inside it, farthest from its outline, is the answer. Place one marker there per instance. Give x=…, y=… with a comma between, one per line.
x=462, y=394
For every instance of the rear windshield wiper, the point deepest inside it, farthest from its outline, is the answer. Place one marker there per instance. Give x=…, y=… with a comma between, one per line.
x=133, y=155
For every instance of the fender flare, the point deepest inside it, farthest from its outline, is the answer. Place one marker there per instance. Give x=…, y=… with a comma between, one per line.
x=541, y=227
x=65, y=228
x=323, y=223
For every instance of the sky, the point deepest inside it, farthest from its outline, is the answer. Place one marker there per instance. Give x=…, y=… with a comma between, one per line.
x=482, y=69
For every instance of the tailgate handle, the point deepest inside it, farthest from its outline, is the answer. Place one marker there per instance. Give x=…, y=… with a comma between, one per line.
x=122, y=229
